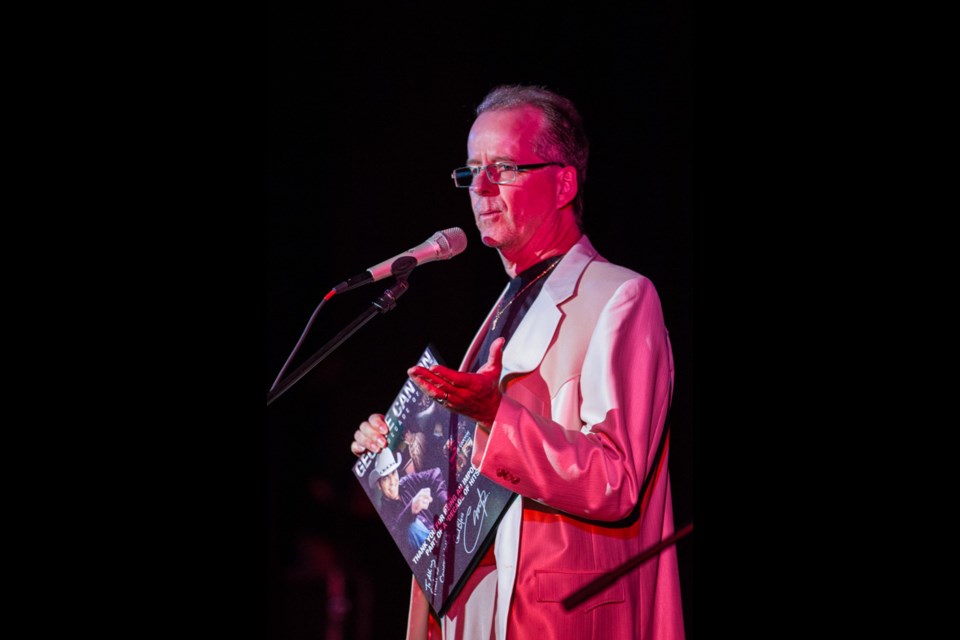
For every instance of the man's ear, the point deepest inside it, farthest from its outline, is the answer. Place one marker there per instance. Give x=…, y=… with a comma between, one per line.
x=567, y=186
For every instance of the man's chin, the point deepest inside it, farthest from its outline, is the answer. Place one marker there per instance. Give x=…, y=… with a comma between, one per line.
x=490, y=238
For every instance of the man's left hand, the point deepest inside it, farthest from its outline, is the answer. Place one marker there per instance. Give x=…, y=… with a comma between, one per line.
x=475, y=395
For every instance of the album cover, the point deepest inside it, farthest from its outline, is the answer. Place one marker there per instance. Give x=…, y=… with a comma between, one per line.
x=440, y=511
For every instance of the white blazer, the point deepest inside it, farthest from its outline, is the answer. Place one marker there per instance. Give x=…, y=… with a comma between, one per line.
x=586, y=381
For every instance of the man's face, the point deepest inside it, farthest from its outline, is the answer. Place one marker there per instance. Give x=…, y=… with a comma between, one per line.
x=509, y=215
x=390, y=485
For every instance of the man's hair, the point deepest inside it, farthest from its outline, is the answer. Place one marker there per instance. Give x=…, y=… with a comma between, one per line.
x=562, y=139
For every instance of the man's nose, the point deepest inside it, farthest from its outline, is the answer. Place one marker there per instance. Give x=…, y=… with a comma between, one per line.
x=482, y=185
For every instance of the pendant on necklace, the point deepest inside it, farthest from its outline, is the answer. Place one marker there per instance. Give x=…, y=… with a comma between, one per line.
x=500, y=310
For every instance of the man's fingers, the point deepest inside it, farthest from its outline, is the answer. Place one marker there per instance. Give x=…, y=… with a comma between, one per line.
x=441, y=375
x=495, y=359
x=496, y=352
x=369, y=437
x=376, y=420
x=434, y=386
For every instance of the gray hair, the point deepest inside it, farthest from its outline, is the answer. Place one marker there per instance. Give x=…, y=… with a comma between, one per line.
x=562, y=139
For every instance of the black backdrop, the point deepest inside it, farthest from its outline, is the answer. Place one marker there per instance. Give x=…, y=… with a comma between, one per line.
x=367, y=113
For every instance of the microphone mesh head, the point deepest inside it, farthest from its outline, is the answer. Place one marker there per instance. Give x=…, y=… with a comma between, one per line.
x=452, y=242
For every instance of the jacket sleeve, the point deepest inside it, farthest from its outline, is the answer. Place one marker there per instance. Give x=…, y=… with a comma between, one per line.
x=402, y=516
x=438, y=487
x=624, y=390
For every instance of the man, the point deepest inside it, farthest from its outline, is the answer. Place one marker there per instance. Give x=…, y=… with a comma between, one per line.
x=406, y=501
x=571, y=412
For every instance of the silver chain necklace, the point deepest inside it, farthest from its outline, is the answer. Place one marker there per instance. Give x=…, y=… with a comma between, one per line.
x=501, y=309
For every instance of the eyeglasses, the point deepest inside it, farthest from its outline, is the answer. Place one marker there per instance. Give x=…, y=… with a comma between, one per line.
x=497, y=173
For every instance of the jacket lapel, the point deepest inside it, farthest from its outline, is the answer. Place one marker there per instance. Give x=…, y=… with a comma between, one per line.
x=529, y=343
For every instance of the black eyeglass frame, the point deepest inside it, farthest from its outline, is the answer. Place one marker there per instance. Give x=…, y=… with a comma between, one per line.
x=474, y=171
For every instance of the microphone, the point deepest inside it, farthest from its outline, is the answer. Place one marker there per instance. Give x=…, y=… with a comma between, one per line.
x=440, y=246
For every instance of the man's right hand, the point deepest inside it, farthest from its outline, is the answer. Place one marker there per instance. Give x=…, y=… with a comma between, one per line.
x=421, y=501
x=371, y=436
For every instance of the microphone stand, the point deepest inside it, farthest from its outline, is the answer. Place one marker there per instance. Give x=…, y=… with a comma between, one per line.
x=387, y=301
x=599, y=584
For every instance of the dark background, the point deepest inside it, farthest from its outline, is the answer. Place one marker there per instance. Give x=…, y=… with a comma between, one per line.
x=367, y=113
